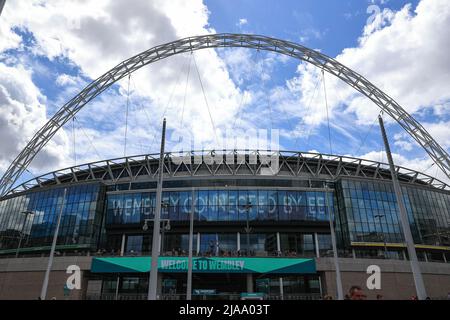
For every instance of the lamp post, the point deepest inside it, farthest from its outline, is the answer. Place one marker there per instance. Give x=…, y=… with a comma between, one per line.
x=153, y=279
x=23, y=228
x=165, y=226
x=340, y=292
x=415, y=268
x=52, y=251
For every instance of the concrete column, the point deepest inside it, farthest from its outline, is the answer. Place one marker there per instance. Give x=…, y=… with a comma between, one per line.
x=278, y=242
x=316, y=238
x=117, y=288
x=122, y=246
x=281, y=288
x=160, y=244
x=354, y=253
x=238, y=241
x=249, y=282
x=198, y=243
x=320, y=286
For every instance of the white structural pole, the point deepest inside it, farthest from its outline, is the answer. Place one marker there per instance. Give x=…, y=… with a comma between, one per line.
x=281, y=288
x=153, y=281
x=339, y=290
x=2, y=4
x=191, y=242
x=418, y=280
x=52, y=251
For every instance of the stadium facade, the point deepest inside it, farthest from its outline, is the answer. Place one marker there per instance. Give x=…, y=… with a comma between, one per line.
x=255, y=230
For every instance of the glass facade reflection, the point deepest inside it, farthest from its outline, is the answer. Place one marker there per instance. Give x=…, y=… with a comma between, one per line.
x=80, y=222
x=294, y=220
x=368, y=212
x=220, y=205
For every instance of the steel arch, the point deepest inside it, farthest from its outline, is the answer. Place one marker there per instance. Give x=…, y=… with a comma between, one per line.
x=123, y=69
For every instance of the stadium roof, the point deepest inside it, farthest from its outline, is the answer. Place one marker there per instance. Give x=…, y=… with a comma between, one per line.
x=216, y=163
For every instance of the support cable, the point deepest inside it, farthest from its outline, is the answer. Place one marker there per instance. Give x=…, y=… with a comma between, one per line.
x=89, y=139
x=367, y=135
x=74, y=143
x=382, y=150
x=185, y=93
x=239, y=110
x=167, y=107
x=319, y=80
x=126, y=117
x=142, y=108
x=326, y=105
x=206, y=101
x=261, y=60
x=241, y=103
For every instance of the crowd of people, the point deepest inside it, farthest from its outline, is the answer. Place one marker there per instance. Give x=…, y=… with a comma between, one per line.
x=357, y=293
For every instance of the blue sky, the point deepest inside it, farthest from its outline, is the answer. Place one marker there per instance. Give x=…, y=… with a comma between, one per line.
x=387, y=41
x=329, y=25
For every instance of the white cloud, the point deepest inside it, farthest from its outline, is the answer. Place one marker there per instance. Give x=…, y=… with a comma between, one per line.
x=242, y=21
x=106, y=32
x=423, y=165
x=23, y=112
x=404, y=53
x=440, y=132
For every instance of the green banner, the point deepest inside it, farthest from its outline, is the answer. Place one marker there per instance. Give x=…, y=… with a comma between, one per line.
x=205, y=265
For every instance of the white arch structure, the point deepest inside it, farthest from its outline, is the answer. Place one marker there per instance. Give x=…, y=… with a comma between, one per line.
x=123, y=69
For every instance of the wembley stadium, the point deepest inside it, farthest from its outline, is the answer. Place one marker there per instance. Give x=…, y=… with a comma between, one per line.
x=314, y=226
x=288, y=243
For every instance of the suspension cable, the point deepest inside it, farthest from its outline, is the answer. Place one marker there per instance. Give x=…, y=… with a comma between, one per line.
x=89, y=139
x=261, y=61
x=382, y=150
x=424, y=171
x=126, y=117
x=167, y=107
x=185, y=93
x=319, y=80
x=206, y=101
x=241, y=103
x=326, y=105
x=74, y=143
x=141, y=108
x=367, y=135
x=239, y=110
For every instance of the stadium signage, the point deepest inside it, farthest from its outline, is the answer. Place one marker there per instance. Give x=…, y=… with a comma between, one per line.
x=201, y=265
x=204, y=265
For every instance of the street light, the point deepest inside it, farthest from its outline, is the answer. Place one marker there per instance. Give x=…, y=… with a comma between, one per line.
x=165, y=227
x=23, y=228
x=247, y=208
x=339, y=290
x=52, y=251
